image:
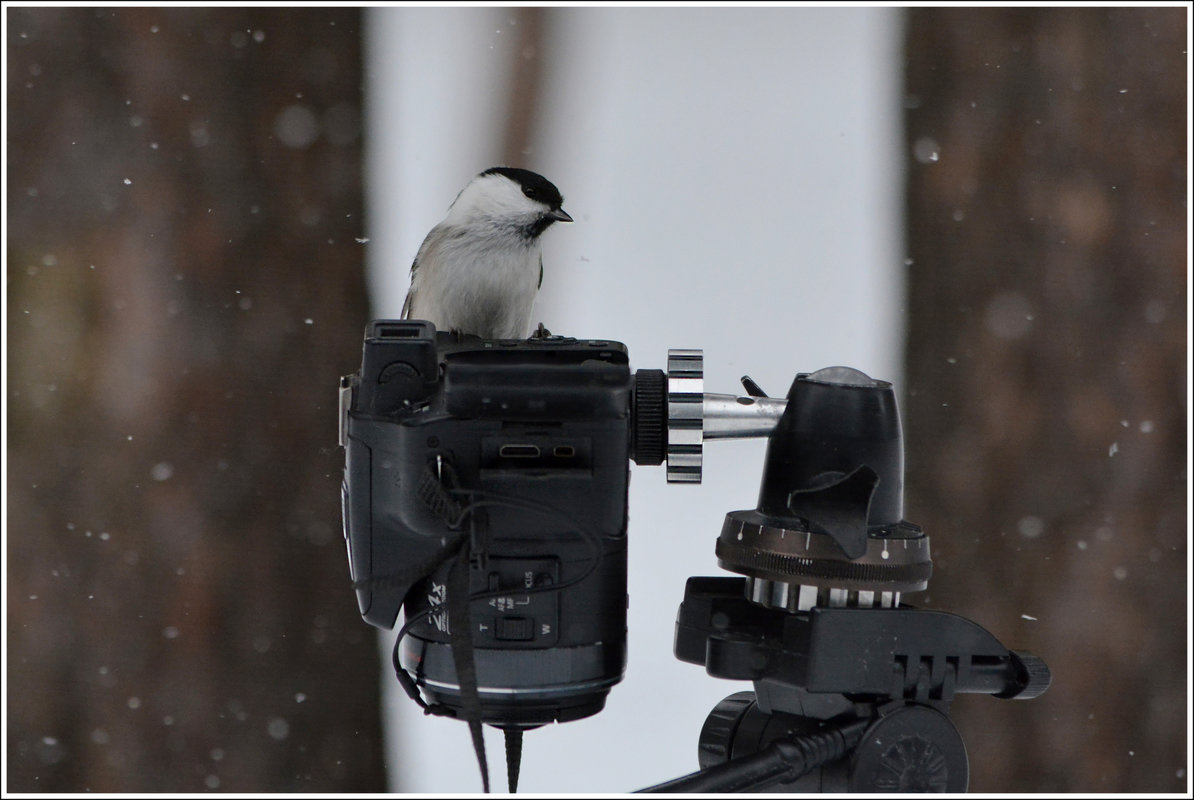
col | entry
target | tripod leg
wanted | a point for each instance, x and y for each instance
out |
(782, 761)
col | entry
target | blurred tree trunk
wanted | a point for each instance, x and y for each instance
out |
(184, 289)
(525, 91)
(1046, 411)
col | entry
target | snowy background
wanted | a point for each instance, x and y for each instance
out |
(987, 206)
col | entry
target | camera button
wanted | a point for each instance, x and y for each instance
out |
(514, 629)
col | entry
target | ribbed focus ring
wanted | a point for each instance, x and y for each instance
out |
(650, 416)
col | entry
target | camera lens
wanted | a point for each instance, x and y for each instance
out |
(541, 655)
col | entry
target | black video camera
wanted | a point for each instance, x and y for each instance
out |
(519, 450)
(485, 492)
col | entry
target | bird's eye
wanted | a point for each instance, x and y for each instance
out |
(529, 191)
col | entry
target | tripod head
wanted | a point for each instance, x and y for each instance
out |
(852, 687)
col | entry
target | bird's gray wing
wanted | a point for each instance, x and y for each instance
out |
(410, 293)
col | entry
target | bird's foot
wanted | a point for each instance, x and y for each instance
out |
(541, 332)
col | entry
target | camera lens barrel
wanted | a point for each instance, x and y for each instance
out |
(540, 656)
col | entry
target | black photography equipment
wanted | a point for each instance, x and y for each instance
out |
(485, 492)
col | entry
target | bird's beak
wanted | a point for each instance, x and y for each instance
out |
(560, 215)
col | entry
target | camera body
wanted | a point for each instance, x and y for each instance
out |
(522, 448)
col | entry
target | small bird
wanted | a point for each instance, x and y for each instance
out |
(479, 270)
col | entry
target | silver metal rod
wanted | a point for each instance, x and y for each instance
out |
(728, 416)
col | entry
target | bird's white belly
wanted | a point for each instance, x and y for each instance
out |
(493, 301)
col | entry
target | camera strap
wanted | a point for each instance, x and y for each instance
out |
(461, 641)
(433, 490)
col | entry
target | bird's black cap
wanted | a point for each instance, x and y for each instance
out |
(533, 185)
